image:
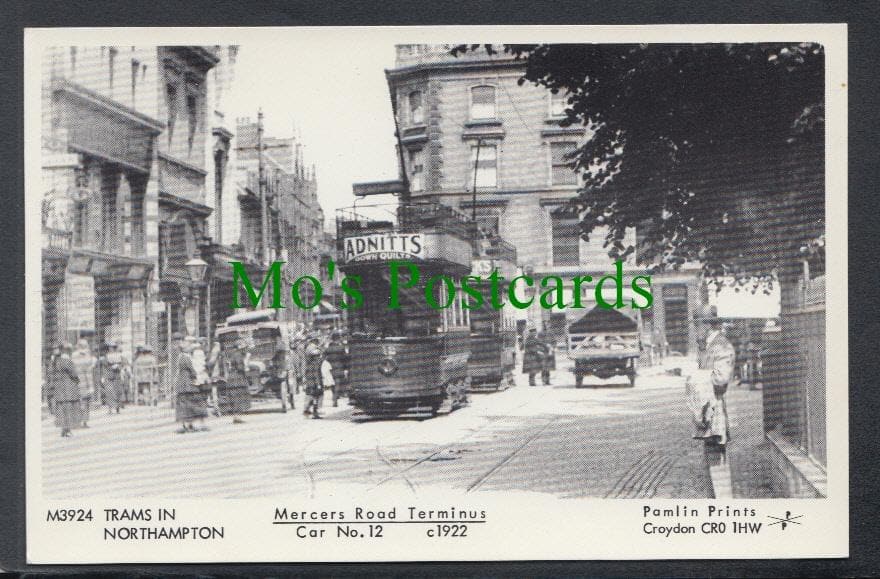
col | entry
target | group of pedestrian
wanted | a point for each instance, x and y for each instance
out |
(73, 376)
(195, 374)
(313, 362)
(539, 355)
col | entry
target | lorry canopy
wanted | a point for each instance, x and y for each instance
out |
(602, 320)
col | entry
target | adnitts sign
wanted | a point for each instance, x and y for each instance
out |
(384, 246)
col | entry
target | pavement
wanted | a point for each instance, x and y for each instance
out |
(605, 440)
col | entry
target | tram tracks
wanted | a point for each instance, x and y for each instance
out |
(510, 456)
(435, 451)
(644, 477)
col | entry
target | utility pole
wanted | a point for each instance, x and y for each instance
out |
(261, 186)
(476, 239)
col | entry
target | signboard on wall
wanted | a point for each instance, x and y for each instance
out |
(79, 292)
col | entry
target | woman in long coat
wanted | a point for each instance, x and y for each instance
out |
(235, 360)
(66, 390)
(85, 363)
(533, 357)
(113, 365)
(190, 404)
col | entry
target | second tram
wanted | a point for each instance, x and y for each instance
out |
(493, 331)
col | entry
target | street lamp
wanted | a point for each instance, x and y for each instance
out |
(196, 268)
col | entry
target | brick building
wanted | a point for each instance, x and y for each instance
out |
(457, 113)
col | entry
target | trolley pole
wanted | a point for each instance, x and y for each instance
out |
(261, 186)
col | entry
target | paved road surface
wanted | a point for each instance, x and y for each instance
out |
(609, 441)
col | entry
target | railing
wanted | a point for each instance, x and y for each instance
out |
(57, 238)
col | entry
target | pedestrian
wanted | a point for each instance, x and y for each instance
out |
(339, 361)
(297, 361)
(548, 362)
(66, 390)
(190, 404)
(115, 368)
(716, 361)
(50, 383)
(85, 363)
(174, 347)
(144, 370)
(235, 359)
(533, 357)
(314, 357)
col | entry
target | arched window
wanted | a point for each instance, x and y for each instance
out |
(482, 102)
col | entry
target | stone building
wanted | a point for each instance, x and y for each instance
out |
(126, 167)
(293, 221)
(466, 124)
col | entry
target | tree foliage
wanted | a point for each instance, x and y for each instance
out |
(693, 144)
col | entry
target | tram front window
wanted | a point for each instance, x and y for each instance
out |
(414, 318)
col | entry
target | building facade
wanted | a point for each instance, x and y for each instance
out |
(292, 218)
(474, 139)
(127, 163)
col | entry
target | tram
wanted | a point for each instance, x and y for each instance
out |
(412, 359)
(493, 331)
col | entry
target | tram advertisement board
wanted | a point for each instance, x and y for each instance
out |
(405, 246)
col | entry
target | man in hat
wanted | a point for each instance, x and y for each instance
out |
(548, 362)
(533, 357)
(314, 357)
(716, 359)
(338, 359)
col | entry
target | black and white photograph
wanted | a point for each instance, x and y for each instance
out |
(357, 281)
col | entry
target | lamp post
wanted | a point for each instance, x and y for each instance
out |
(196, 268)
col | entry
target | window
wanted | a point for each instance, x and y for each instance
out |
(566, 238)
(111, 64)
(416, 112)
(487, 166)
(558, 104)
(192, 114)
(482, 102)
(171, 103)
(562, 166)
(416, 170)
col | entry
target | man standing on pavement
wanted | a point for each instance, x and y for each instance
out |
(716, 360)
(339, 360)
(533, 357)
(314, 357)
(548, 362)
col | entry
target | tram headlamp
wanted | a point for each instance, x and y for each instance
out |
(387, 367)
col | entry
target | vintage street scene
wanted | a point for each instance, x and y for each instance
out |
(230, 306)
